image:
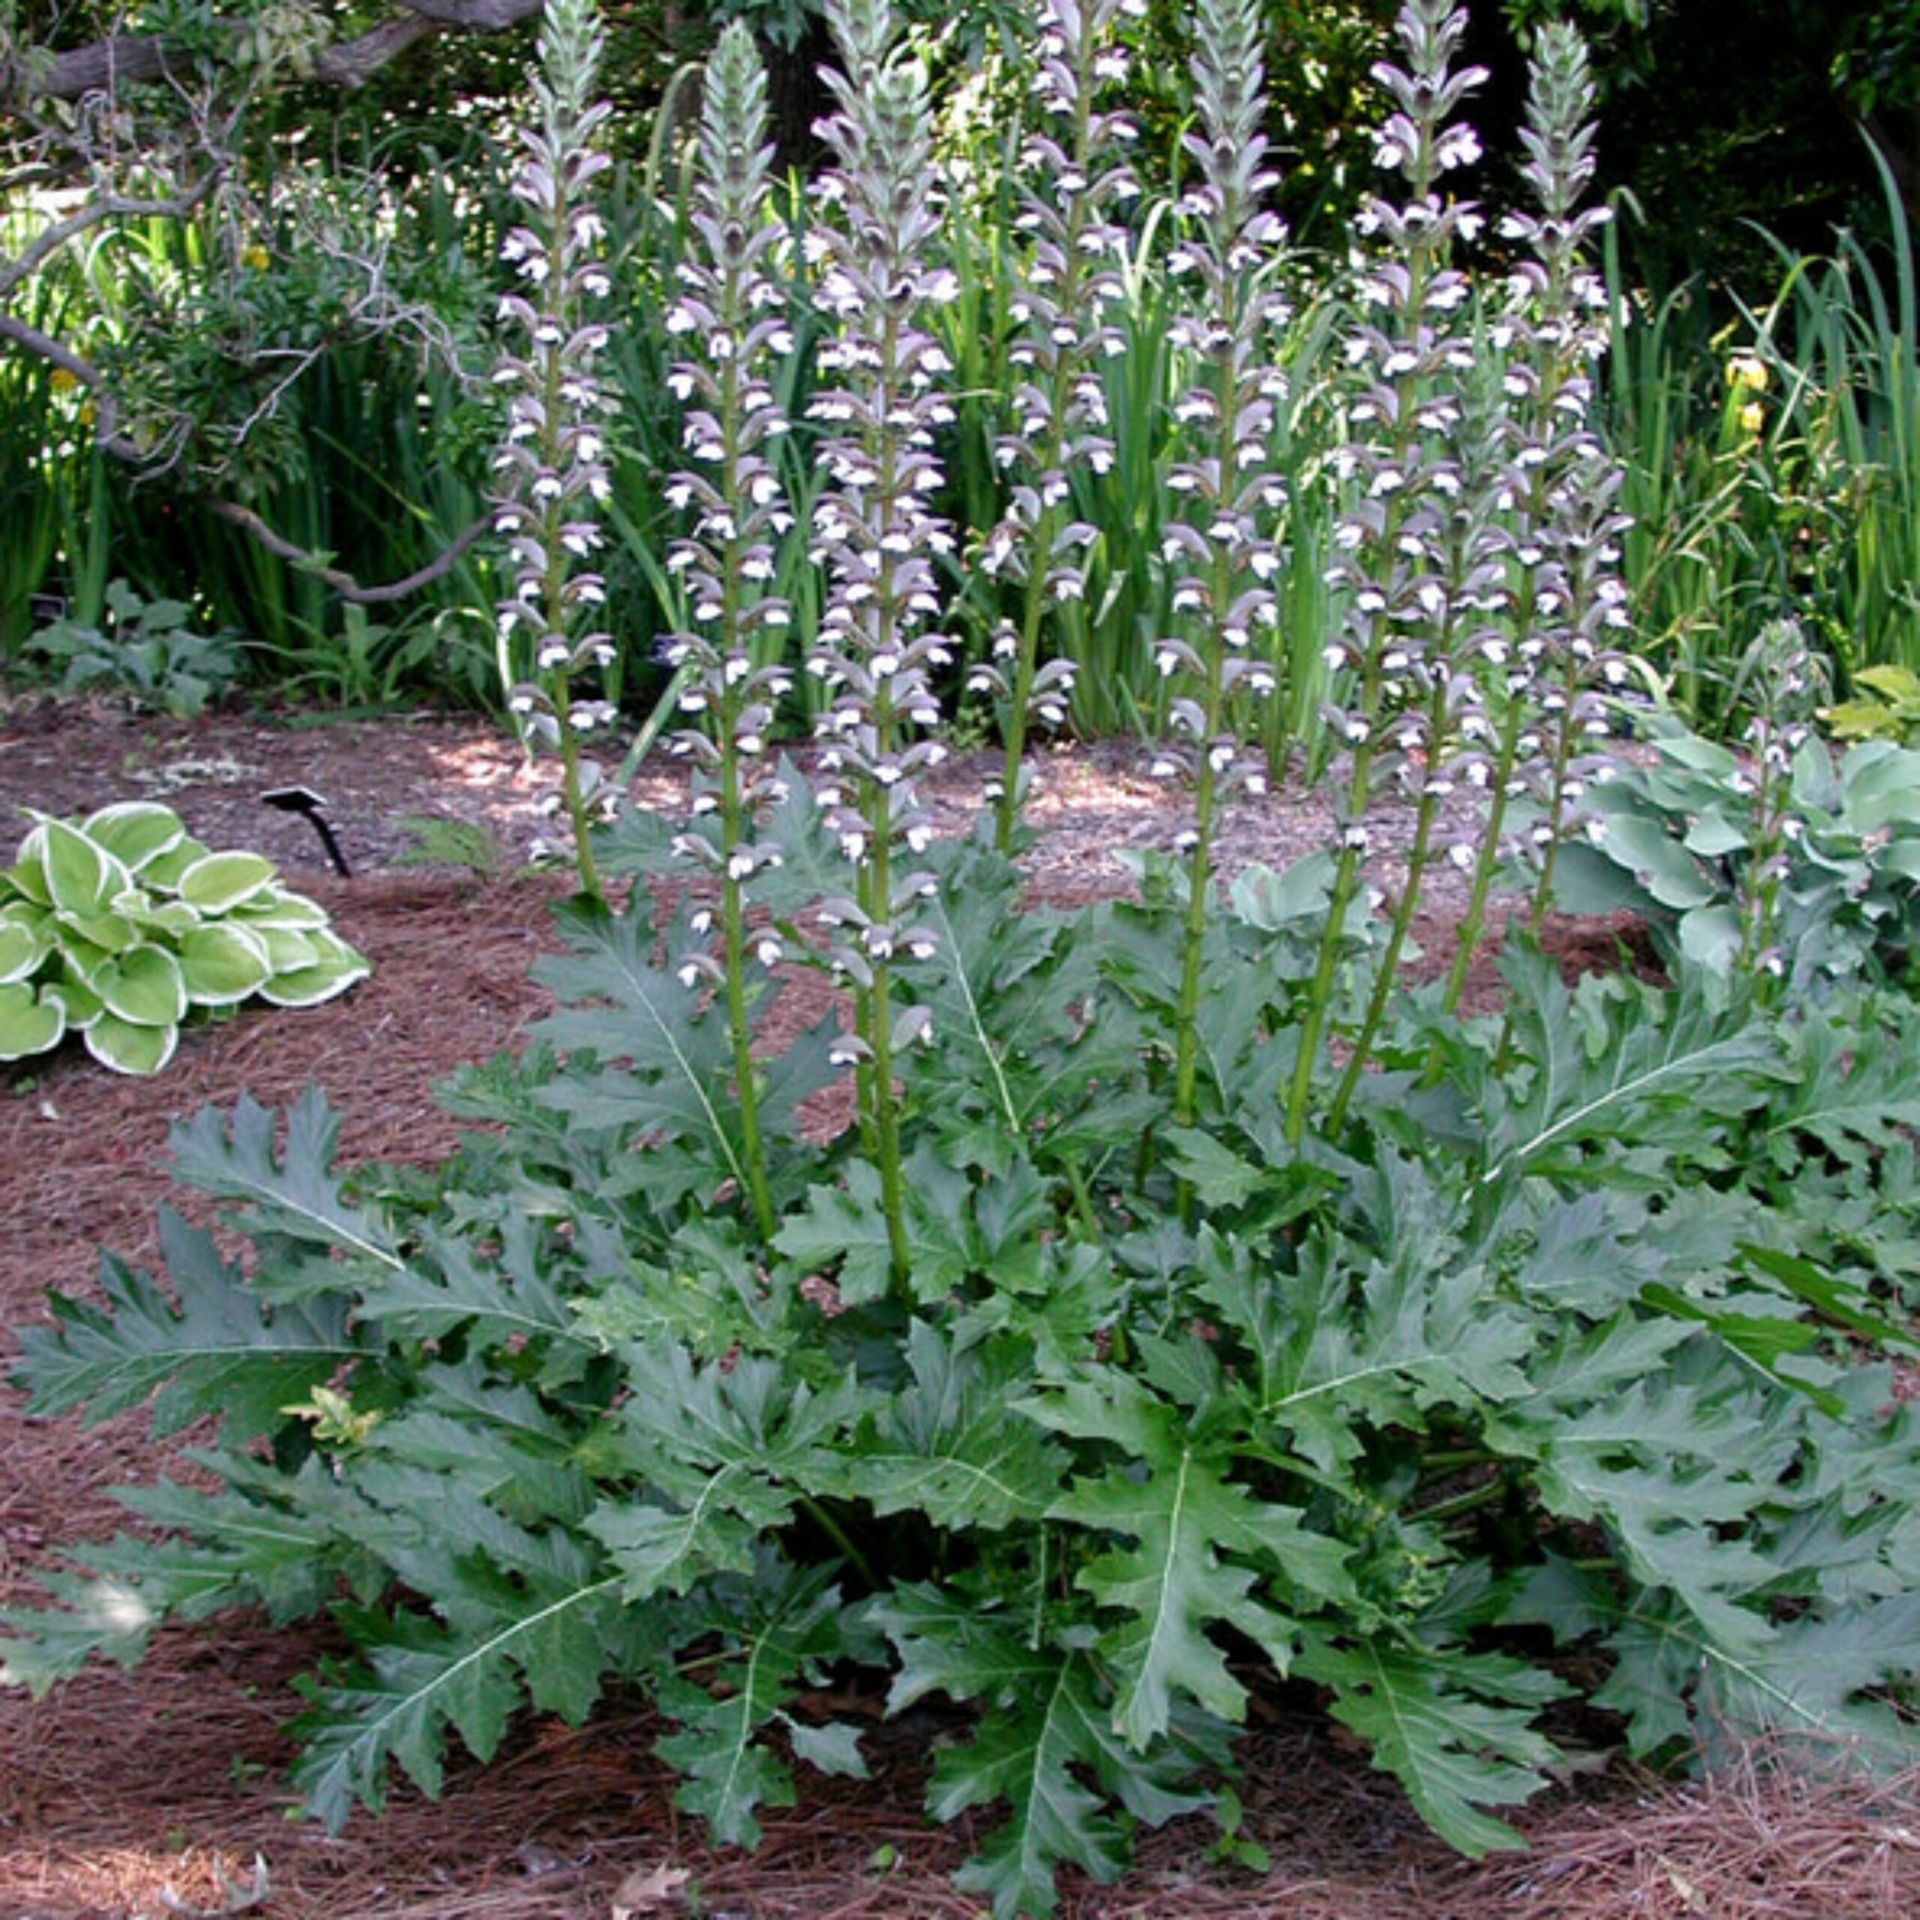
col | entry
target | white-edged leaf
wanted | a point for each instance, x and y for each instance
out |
(162, 871)
(144, 988)
(81, 878)
(222, 964)
(24, 944)
(76, 999)
(30, 1022)
(219, 882)
(276, 906)
(135, 831)
(333, 968)
(123, 1047)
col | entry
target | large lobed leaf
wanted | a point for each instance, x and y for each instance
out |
(1455, 1729)
(1045, 1747)
(719, 1455)
(213, 1349)
(1204, 1545)
(286, 1191)
(779, 1630)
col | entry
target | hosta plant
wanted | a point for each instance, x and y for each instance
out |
(1797, 860)
(122, 927)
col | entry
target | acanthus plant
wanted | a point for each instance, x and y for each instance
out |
(1064, 283)
(730, 316)
(1780, 697)
(1568, 603)
(1417, 548)
(551, 465)
(1447, 1413)
(883, 402)
(1224, 549)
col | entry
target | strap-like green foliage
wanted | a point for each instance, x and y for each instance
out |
(122, 927)
(1581, 1346)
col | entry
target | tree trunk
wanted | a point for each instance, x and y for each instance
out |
(796, 99)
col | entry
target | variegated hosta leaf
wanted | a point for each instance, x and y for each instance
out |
(122, 927)
(30, 1022)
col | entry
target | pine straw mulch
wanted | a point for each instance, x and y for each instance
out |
(157, 1791)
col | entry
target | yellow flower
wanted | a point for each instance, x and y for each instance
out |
(255, 257)
(1753, 416)
(62, 381)
(1747, 373)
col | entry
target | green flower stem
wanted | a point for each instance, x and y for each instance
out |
(1013, 728)
(1346, 881)
(1053, 517)
(1760, 889)
(579, 818)
(1419, 266)
(734, 830)
(1200, 872)
(883, 1110)
(1408, 905)
(753, 1153)
(579, 815)
(1083, 1204)
(1564, 740)
(876, 889)
(835, 1532)
(1487, 858)
(1459, 1505)
(560, 683)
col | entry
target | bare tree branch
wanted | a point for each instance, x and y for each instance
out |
(43, 346)
(475, 16)
(124, 59)
(344, 584)
(121, 448)
(352, 63)
(108, 206)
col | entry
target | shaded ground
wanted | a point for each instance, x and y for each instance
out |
(124, 1787)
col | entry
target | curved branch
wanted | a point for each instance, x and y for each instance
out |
(250, 523)
(127, 59)
(352, 63)
(90, 213)
(122, 59)
(43, 346)
(344, 584)
(475, 16)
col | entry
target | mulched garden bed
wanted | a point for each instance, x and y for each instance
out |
(124, 1792)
